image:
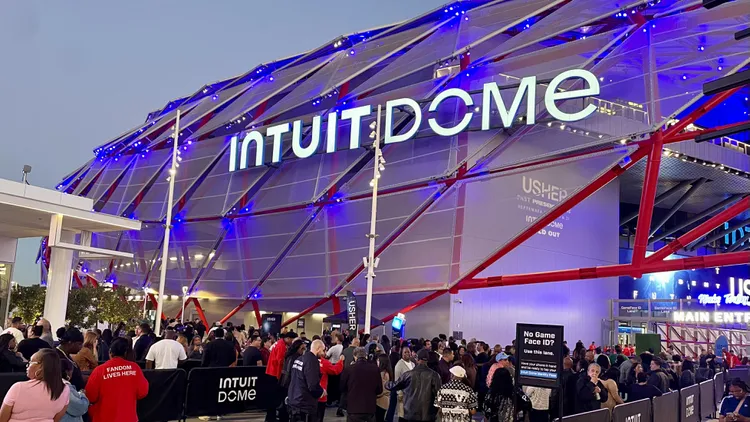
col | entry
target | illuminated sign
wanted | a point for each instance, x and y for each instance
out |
(712, 317)
(739, 295)
(491, 101)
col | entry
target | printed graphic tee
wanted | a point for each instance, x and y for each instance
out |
(113, 389)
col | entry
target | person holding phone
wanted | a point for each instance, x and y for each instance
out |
(590, 391)
(736, 406)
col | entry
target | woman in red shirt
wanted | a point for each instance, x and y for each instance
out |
(115, 387)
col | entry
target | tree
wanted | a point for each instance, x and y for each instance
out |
(113, 308)
(86, 305)
(82, 304)
(28, 302)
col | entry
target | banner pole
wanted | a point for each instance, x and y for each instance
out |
(167, 225)
(377, 165)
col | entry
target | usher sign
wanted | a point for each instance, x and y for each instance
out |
(540, 355)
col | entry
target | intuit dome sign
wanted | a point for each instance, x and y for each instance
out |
(491, 101)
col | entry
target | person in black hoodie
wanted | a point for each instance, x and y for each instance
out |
(590, 392)
(482, 360)
(10, 361)
(657, 376)
(304, 385)
(362, 383)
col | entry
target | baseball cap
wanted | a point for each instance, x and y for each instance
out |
(423, 354)
(501, 356)
(458, 372)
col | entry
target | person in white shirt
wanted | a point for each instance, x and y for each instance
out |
(16, 328)
(539, 403)
(403, 366)
(334, 353)
(166, 353)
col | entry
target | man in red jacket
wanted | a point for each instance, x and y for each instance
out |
(274, 368)
(114, 388)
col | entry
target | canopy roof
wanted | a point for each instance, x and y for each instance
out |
(297, 229)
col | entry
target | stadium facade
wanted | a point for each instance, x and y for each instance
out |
(470, 224)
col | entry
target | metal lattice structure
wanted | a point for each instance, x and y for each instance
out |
(295, 229)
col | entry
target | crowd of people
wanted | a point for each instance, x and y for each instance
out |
(94, 374)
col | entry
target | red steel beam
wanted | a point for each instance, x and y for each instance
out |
(555, 213)
(306, 311)
(701, 230)
(234, 311)
(414, 305)
(199, 309)
(77, 279)
(688, 135)
(698, 113)
(336, 304)
(648, 196)
(719, 260)
(256, 309)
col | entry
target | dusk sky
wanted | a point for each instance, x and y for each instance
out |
(75, 75)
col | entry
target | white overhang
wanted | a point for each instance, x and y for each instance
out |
(28, 211)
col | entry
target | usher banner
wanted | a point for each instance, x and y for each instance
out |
(351, 311)
(539, 354)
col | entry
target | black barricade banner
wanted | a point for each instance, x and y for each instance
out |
(166, 394)
(708, 405)
(221, 391)
(719, 387)
(637, 411)
(601, 415)
(351, 312)
(689, 404)
(665, 407)
(8, 379)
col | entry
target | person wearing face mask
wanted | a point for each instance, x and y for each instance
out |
(43, 398)
(736, 406)
(590, 391)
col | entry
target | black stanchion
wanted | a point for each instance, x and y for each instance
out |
(190, 364)
(8, 379)
(708, 403)
(664, 407)
(690, 404)
(601, 415)
(166, 393)
(719, 383)
(221, 391)
(635, 411)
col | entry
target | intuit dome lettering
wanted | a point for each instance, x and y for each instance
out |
(234, 389)
(491, 100)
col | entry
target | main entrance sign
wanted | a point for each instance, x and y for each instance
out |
(491, 100)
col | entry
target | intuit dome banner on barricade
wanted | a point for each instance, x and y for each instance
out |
(221, 391)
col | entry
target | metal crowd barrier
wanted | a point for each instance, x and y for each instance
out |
(175, 394)
(178, 393)
(691, 404)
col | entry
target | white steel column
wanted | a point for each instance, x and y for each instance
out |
(370, 261)
(167, 225)
(59, 275)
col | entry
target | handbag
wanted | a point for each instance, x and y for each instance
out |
(524, 402)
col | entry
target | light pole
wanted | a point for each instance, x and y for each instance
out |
(167, 225)
(184, 299)
(370, 261)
